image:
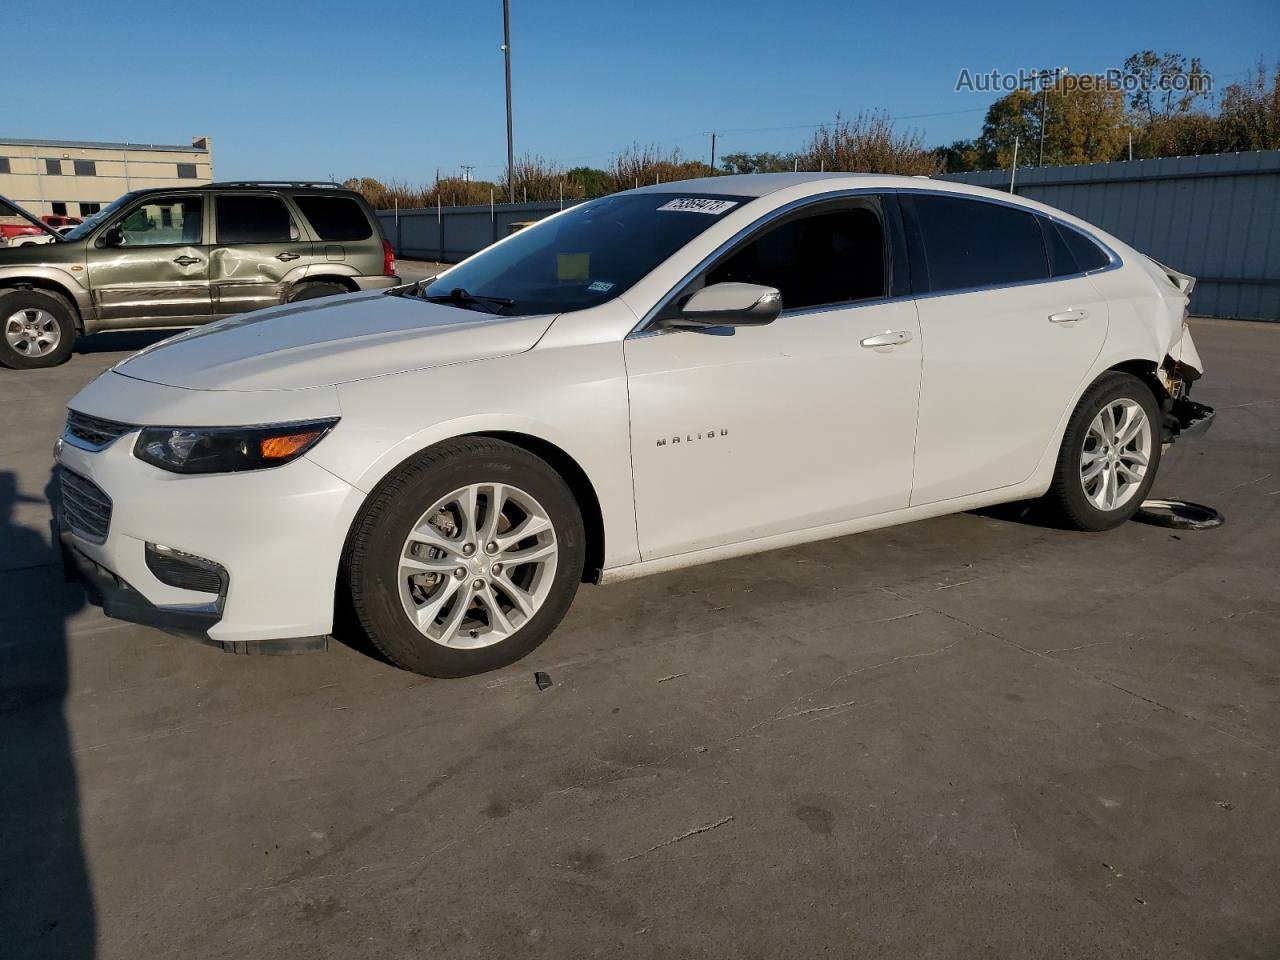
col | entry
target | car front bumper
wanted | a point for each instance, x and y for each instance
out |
(277, 534)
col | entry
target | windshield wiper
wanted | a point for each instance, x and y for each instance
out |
(461, 298)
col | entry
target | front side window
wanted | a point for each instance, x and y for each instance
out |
(585, 256)
(335, 218)
(163, 221)
(254, 218)
(975, 243)
(829, 257)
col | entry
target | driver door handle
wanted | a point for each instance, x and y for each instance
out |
(1068, 316)
(286, 257)
(185, 261)
(890, 339)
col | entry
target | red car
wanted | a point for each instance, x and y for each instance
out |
(56, 220)
(16, 223)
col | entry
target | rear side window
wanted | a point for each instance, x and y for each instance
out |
(254, 219)
(973, 243)
(335, 218)
(1086, 253)
(836, 256)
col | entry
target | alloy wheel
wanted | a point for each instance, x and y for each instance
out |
(32, 332)
(1116, 453)
(477, 565)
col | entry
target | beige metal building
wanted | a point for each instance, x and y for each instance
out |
(76, 178)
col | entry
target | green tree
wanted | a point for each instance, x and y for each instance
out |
(590, 182)
(1168, 85)
(758, 162)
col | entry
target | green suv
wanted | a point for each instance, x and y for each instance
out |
(170, 257)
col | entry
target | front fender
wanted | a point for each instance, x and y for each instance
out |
(63, 278)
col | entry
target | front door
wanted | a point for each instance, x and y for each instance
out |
(806, 421)
(154, 266)
(258, 252)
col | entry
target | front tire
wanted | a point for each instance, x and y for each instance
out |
(37, 329)
(1110, 454)
(465, 558)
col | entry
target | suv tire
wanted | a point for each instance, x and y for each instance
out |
(416, 519)
(37, 329)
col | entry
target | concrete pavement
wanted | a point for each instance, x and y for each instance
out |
(972, 736)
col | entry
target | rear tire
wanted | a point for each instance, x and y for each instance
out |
(1109, 456)
(37, 329)
(311, 291)
(449, 588)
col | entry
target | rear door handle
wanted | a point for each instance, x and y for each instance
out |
(1068, 316)
(185, 261)
(890, 339)
(286, 257)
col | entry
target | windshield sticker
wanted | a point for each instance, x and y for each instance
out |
(573, 266)
(699, 205)
(601, 286)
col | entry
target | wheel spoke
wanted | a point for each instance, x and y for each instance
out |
(468, 504)
(497, 619)
(427, 613)
(1136, 457)
(540, 551)
(425, 565)
(449, 627)
(497, 498)
(526, 528)
(429, 536)
(1108, 424)
(519, 597)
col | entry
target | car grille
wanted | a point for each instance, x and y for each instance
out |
(86, 508)
(94, 432)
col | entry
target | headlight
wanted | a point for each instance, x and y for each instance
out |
(227, 449)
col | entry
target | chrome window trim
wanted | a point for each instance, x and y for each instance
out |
(644, 327)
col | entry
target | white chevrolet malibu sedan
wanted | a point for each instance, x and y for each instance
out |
(663, 377)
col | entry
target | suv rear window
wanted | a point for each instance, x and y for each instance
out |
(253, 219)
(335, 218)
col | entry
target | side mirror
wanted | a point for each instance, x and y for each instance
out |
(732, 305)
(111, 237)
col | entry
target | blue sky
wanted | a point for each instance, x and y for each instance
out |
(396, 88)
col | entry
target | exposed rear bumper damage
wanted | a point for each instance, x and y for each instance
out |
(1183, 417)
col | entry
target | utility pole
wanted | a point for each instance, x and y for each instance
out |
(506, 54)
(713, 151)
(1044, 106)
(466, 172)
(1013, 171)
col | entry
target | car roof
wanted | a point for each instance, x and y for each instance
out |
(255, 186)
(763, 184)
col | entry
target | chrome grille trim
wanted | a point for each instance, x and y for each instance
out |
(93, 433)
(86, 507)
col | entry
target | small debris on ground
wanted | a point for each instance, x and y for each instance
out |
(674, 676)
(543, 680)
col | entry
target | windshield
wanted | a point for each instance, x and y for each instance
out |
(91, 223)
(586, 256)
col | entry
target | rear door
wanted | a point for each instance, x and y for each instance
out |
(259, 251)
(1006, 342)
(158, 271)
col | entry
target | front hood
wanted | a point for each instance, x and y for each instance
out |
(334, 340)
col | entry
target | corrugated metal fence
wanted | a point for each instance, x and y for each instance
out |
(450, 234)
(1216, 217)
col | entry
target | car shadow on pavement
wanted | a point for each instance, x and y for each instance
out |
(131, 340)
(46, 902)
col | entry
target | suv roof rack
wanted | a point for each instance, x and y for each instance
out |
(307, 184)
